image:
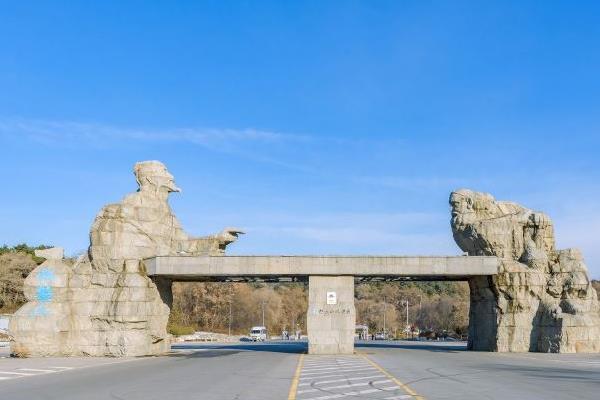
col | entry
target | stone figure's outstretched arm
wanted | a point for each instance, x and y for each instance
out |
(213, 244)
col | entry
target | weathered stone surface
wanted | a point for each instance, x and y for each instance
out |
(106, 305)
(541, 299)
(331, 318)
(54, 253)
(43, 325)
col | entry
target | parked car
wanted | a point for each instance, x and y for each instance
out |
(258, 333)
(381, 336)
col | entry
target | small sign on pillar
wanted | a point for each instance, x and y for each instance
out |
(331, 298)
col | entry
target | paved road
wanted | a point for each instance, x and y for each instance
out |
(263, 371)
(447, 371)
(270, 371)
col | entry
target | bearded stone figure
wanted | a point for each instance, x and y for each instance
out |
(109, 306)
(143, 225)
(542, 299)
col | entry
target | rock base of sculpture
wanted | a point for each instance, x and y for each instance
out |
(75, 311)
(542, 299)
(106, 305)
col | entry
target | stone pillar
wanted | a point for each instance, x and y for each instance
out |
(483, 315)
(331, 318)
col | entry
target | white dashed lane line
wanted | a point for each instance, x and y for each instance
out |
(350, 385)
(338, 377)
(35, 370)
(356, 393)
(340, 370)
(23, 372)
(15, 373)
(341, 380)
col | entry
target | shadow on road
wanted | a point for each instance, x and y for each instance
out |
(207, 350)
(435, 347)
(212, 350)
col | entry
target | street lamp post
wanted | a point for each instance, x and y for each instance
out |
(230, 318)
(293, 325)
(407, 313)
(384, 309)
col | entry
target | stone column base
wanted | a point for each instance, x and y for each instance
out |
(331, 319)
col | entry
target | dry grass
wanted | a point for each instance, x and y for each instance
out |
(14, 268)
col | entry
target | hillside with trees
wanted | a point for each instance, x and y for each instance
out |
(217, 307)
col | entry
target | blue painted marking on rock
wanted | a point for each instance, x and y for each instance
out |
(44, 293)
(45, 276)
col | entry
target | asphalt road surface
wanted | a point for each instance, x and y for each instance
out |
(281, 370)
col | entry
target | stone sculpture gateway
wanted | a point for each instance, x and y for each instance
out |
(539, 299)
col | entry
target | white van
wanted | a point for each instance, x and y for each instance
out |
(258, 333)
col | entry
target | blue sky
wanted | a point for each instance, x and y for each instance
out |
(318, 127)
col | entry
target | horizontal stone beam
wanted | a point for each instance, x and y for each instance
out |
(221, 267)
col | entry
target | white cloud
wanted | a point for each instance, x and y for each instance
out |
(251, 144)
(61, 132)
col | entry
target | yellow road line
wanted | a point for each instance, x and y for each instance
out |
(294, 387)
(393, 378)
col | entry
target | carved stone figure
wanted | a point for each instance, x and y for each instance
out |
(107, 303)
(542, 299)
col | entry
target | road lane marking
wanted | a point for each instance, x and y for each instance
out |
(326, 360)
(355, 384)
(296, 379)
(16, 373)
(329, 363)
(325, 376)
(342, 380)
(350, 385)
(36, 370)
(335, 367)
(346, 394)
(404, 387)
(364, 368)
(56, 369)
(336, 378)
